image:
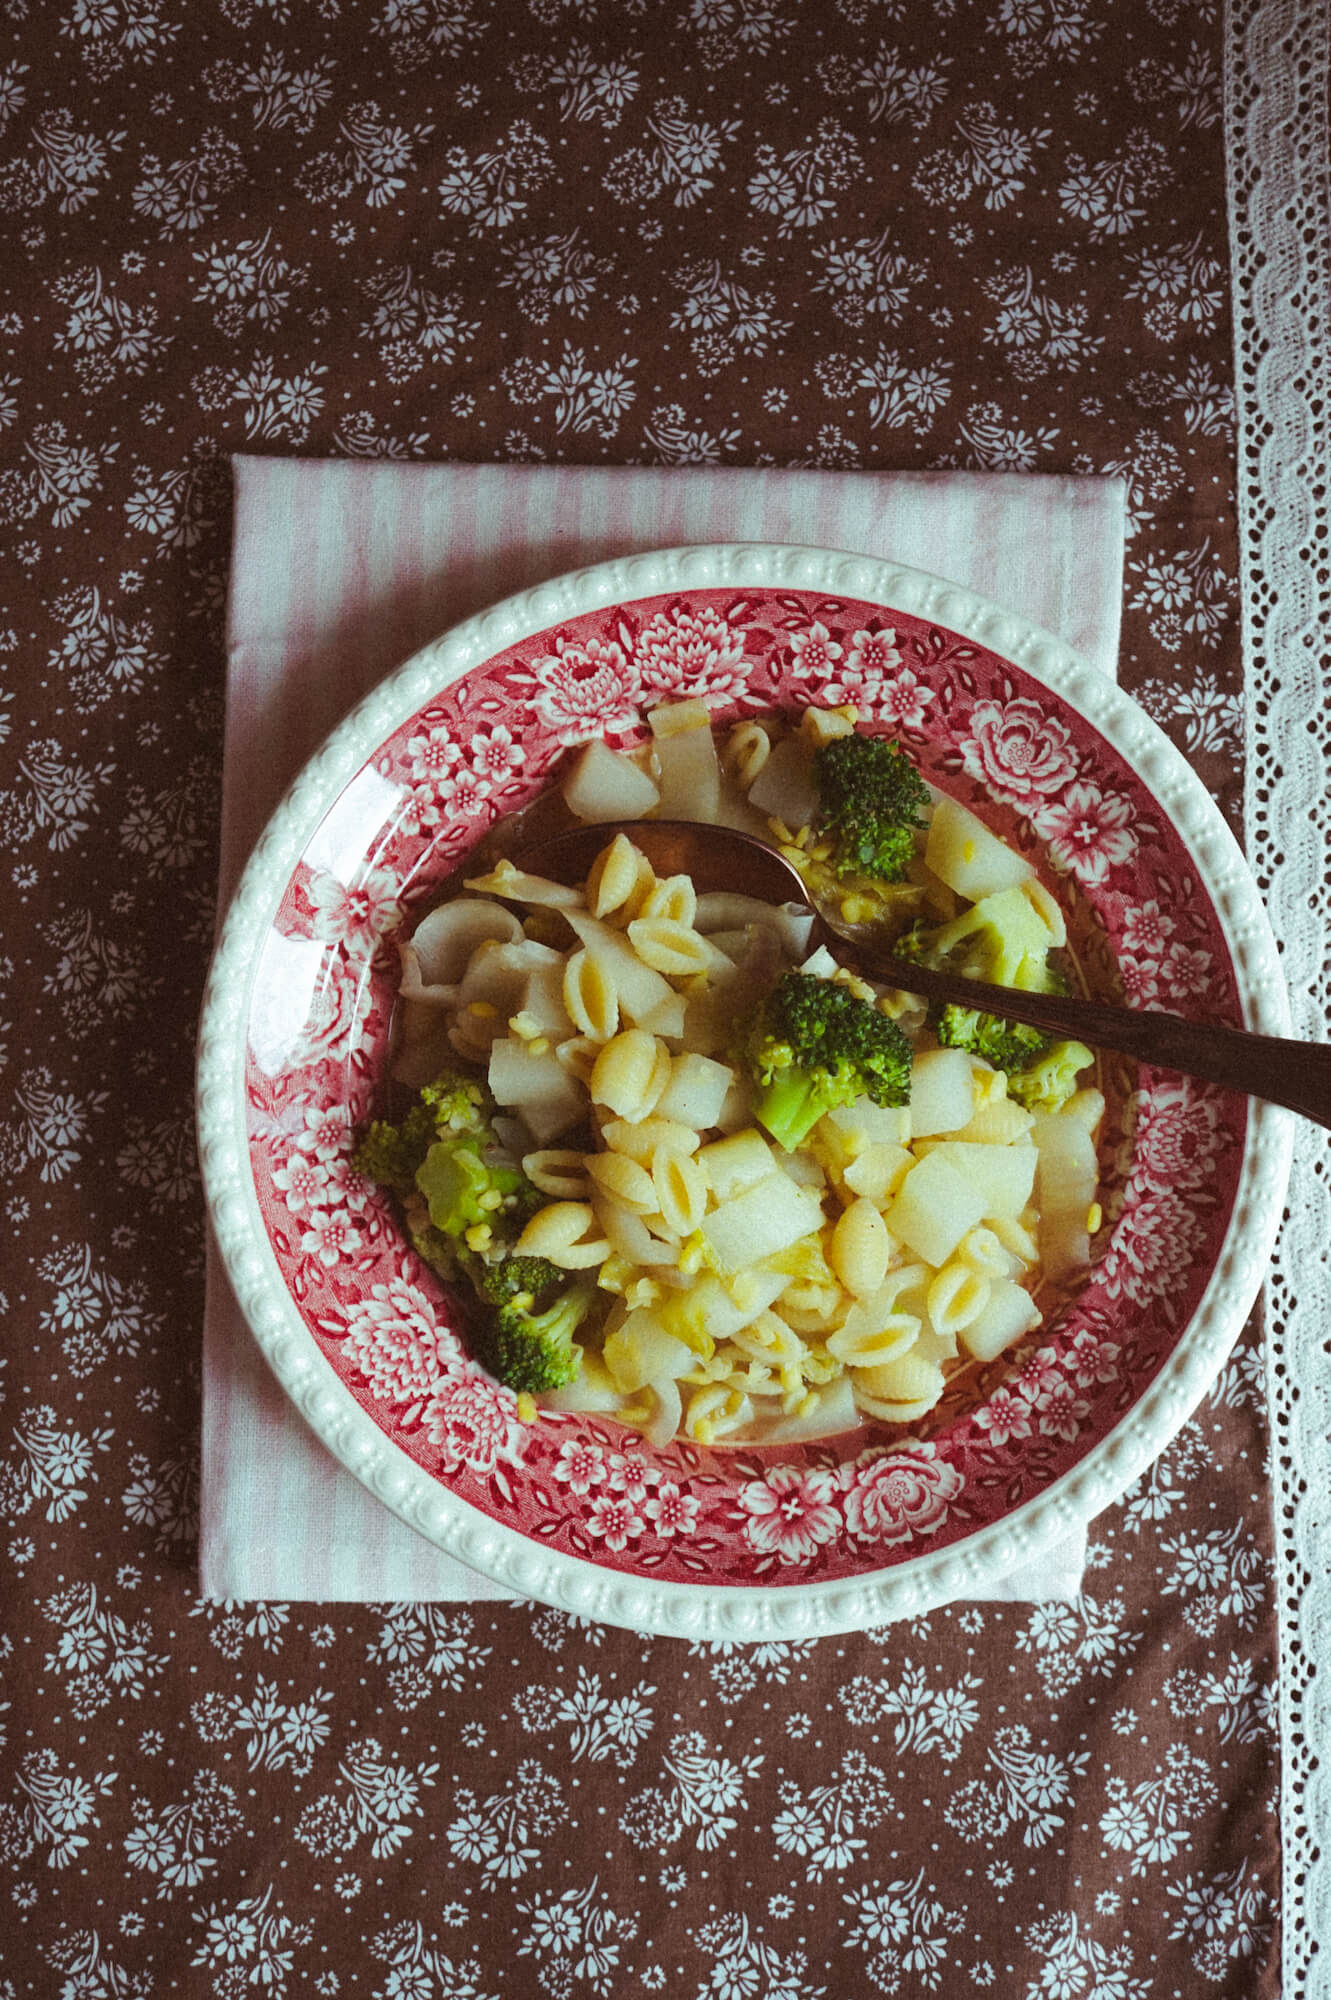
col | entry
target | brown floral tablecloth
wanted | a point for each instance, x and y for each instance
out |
(878, 233)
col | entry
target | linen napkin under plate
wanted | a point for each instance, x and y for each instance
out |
(340, 571)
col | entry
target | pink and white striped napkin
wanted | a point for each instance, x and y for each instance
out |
(341, 570)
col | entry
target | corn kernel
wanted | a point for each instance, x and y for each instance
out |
(527, 1411)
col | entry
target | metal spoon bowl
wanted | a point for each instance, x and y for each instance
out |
(1296, 1075)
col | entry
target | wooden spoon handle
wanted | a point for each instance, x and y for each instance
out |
(1294, 1074)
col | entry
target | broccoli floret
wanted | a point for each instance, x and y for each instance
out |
(392, 1154)
(1005, 1045)
(811, 1045)
(1049, 1083)
(468, 1186)
(464, 1203)
(1001, 939)
(535, 1350)
(446, 1150)
(872, 801)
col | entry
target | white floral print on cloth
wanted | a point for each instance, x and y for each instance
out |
(852, 235)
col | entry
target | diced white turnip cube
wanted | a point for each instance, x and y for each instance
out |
(942, 1092)
(962, 852)
(933, 1210)
(603, 785)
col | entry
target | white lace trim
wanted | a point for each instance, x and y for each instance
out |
(1279, 151)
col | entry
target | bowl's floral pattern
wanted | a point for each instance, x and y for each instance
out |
(488, 744)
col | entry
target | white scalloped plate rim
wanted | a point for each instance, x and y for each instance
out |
(698, 1611)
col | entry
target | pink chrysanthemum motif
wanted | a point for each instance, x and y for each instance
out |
(791, 1513)
(691, 653)
(355, 914)
(393, 1338)
(584, 688)
(1152, 1248)
(1177, 1137)
(1089, 831)
(472, 1422)
(901, 1495)
(1018, 750)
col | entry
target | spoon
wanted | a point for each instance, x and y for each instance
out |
(1294, 1074)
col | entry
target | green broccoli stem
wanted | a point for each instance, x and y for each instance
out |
(790, 1106)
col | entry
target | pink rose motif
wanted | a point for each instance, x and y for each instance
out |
(693, 653)
(901, 1495)
(580, 1466)
(471, 1421)
(1018, 751)
(354, 914)
(1088, 831)
(1176, 1138)
(584, 688)
(791, 1512)
(613, 1521)
(337, 1017)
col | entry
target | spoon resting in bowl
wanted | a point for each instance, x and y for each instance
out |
(1296, 1075)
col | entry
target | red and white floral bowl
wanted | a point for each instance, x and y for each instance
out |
(576, 1510)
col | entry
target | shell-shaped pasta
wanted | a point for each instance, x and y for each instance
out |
(716, 1411)
(614, 876)
(908, 1379)
(672, 896)
(591, 996)
(768, 1338)
(1046, 909)
(630, 1074)
(894, 1336)
(560, 1233)
(747, 749)
(578, 1055)
(446, 937)
(557, 1171)
(624, 1181)
(982, 1252)
(1016, 1237)
(681, 1189)
(860, 1248)
(957, 1295)
(670, 947)
(642, 1141)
